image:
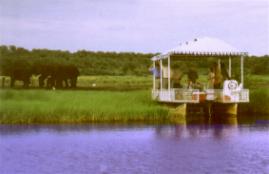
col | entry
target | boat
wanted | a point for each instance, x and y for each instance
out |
(221, 100)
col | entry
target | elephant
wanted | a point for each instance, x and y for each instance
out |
(44, 71)
(64, 76)
(22, 74)
(18, 70)
(58, 76)
(72, 74)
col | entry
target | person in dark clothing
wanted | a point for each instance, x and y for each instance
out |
(224, 72)
(218, 75)
(192, 77)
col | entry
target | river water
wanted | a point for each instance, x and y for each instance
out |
(194, 147)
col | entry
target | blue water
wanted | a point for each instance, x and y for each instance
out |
(189, 148)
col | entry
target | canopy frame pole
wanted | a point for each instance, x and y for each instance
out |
(154, 76)
(242, 70)
(161, 74)
(169, 74)
(230, 67)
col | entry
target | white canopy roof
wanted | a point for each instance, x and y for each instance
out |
(202, 46)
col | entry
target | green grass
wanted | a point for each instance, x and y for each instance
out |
(84, 106)
(139, 82)
(48, 106)
(115, 82)
(259, 102)
(258, 86)
(257, 81)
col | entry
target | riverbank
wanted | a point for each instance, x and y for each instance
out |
(48, 106)
(67, 106)
(110, 99)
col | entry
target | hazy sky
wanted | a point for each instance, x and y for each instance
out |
(133, 25)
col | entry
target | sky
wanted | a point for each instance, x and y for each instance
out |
(133, 25)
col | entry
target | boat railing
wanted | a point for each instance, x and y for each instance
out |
(177, 95)
(221, 96)
(181, 95)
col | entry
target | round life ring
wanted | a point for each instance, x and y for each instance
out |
(232, 85)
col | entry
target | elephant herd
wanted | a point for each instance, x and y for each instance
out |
(50, 76)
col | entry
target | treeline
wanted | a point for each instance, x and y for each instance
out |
(102, 63)
(88, 62)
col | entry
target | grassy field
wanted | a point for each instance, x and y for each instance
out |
(257, 81)
(137, 82)
(119, 102)
(48, 106)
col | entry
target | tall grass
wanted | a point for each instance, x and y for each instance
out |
(258, 86)
(44, 106)
(259, 102)
(65, 106)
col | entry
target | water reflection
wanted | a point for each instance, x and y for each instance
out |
(65, 128)
(194, 125)
(197, 126)
(210, 145)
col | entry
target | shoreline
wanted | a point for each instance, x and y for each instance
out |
(35, 106)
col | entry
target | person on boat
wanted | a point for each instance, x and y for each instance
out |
(156, 72)
(192, 78)
(176, 76)
(224, 72)
(211, 78)
(218, 75)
